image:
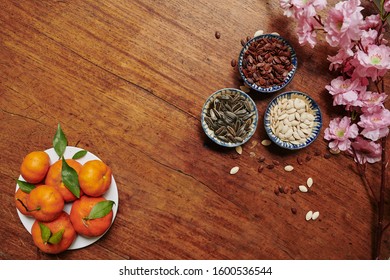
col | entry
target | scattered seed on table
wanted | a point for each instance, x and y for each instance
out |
(309, 182)
(276, 191)
(252, 154)
(281, 189)
(233, 63)
(286, 189)
(308, 158)
(245, 89)
(261, 159)
(303, 188)
(234, 170)
(266, 142)
(258, 33)
(293, 190)
(315, 215)
(309, 215)
(260, 169)
(334, 152)
(299, 160)
(234, 156)
(327, 156)
(270, 166)
(288, 168)
(217, 34)
(239, 150)
(293, 210)
(276, 162)
(253, 144)
(317, 152)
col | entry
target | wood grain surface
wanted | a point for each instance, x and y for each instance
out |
(127, 81)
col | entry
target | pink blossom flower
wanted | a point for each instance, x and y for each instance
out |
(345, 92)
(369, 37)
(375, 125)
(374, 63)
(371, 22)
(372, 102)
(288, 8)
(386, 5)
(365, 150)
(340, 131)
(309, 7)
(341, 61)
(343, 23)
(306, 31)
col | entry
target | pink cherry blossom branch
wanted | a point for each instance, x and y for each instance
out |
(319, 20)
(367, 52)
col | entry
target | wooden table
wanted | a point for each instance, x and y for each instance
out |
(127, 80)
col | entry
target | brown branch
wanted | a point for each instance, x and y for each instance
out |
(381, 211)
(362, 173)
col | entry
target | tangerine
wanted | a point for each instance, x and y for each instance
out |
(54, 178)
(45, 203)
(79, 213)
(95, 178)
(21, 198)
(61, 223)
(35, 166)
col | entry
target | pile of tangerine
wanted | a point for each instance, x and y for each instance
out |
(54, 230)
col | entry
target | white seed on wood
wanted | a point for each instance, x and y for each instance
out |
(315, 215)
(289, 168)
(234, 170)
(309, 182)
(309, 215)
(266, 142)
(335, 152)
(303, 188)
(258, 33)
(239, 150)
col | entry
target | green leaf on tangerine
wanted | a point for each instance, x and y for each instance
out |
(79, 154)
(56, 237)
(45, 232)
(25, 187)
(70, 178)
(100, 209)
(59, 141)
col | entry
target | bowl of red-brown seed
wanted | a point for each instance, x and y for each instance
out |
(267, 63)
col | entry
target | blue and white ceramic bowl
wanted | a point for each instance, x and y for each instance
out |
(273, 87)
(229, 117)
(275, 122)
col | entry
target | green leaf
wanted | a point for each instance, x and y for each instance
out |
(25, 187)
(70, 178)
(45, 232)
(56, 237)
(79, 154)
(59, 141)
(100, 209)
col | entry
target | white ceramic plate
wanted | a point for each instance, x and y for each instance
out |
(111, 194)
